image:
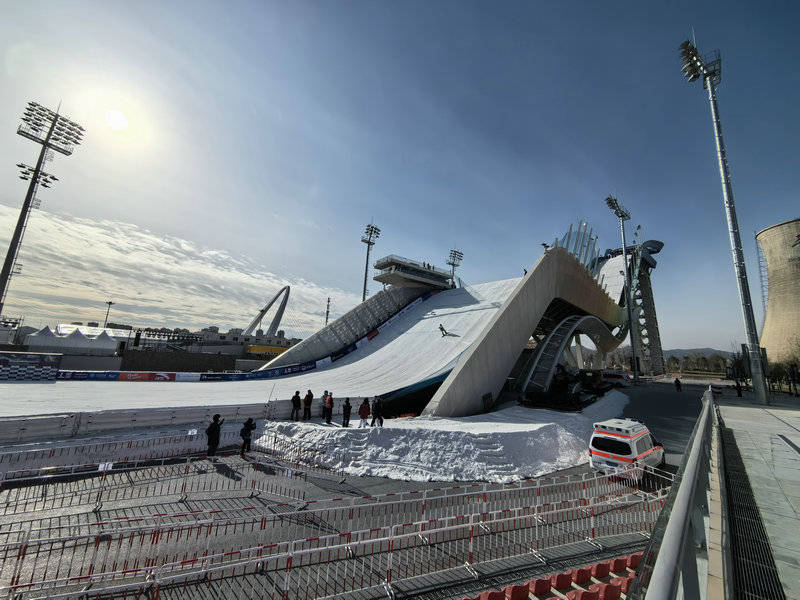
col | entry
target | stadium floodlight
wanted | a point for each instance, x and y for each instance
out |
(371, 234)
(54, 132)
(109, 303)
(454, 260)
(709, 68)
(623, 215)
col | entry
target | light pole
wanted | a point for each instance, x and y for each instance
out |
(710, 69)
(110, 304)
(53, 132)
(371, 234)
(454, 260)
(623, 215)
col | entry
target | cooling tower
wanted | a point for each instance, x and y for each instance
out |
(781, 246)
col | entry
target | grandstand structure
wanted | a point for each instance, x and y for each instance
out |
(149, 515)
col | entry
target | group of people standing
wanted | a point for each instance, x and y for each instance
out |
(214, 429)
(364, 410)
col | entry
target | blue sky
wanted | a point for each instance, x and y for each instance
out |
(275, 130)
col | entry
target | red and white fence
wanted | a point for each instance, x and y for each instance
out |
(319, 567)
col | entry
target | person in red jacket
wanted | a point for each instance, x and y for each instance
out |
(363, 412)
(328, 407)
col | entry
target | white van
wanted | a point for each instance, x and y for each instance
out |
(619, 443)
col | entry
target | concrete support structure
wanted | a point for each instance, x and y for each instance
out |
(481, 372)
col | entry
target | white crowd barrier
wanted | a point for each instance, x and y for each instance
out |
(61, 426)
(80, 550)
(320, 566)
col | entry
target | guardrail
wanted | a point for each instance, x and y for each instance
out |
(691, 530)
(193, 441)
(322, 566)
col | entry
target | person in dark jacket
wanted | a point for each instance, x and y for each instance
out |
(346, 407)
(363, 413)
(246, 434)
(328, 407)
(296, 406)
(677, 385)
(377, 412)
(307, 405)
(738, 389)
(213, 432)
(324, 401)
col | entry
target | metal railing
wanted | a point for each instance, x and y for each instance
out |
(676, 562)
(322, 566)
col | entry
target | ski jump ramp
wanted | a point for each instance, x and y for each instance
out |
(488, 326)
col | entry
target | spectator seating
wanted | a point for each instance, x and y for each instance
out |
(607, 580)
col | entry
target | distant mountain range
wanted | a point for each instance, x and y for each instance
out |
(681, 352)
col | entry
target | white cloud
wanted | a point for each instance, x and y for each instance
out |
(71, 266)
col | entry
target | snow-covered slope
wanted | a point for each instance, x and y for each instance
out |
(407, 350)
(510, 443)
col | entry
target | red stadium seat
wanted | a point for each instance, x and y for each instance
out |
(623, 583)
(634, 560)
(561, 581)
(492, 595)
(516, 592)
(606, 591)
(600, 570)
(580, 576)
(581, 595)
(618, 564)
(538, 586)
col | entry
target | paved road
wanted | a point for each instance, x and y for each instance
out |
(670, 415)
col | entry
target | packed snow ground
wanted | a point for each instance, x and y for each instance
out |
(510, 443)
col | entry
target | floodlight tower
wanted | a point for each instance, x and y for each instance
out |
(371, 234)
(109, 303)
(53, 132)
(623, 215)
(710, 69)
(456, 256)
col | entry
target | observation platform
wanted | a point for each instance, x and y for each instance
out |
(404, 272)
(763, 469)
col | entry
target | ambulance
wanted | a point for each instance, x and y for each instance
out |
(620, 443)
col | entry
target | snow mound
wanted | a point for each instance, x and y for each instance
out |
(507, 444)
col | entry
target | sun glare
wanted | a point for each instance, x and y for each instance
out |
(116, 120)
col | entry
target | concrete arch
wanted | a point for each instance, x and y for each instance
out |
(540, 373)
(276, 320)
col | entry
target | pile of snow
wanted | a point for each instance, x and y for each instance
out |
(510, 443)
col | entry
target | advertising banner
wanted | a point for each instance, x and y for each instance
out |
(163, 376)
(187, 376)
(102, 375)
(135, 376)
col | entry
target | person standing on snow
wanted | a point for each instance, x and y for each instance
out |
(377, 411)
(246, 433)
(363, 413)
(212, 432)
(307, 405)
(328, 408)
(324, 400)
(346, 413)
(296, 406)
